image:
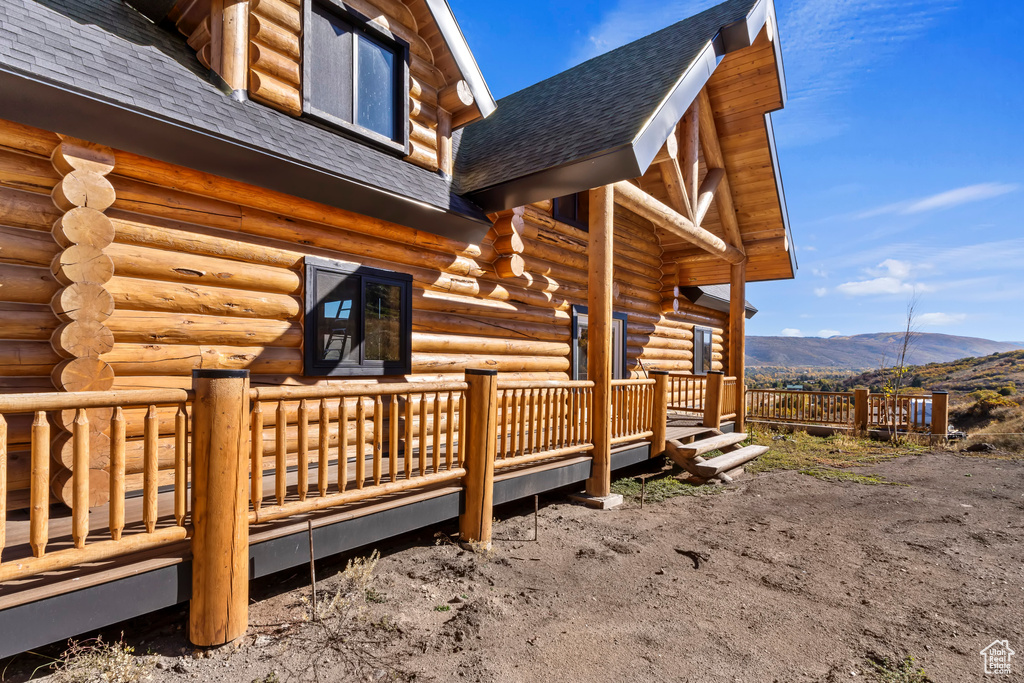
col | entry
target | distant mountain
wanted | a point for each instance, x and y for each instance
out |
(865, 351)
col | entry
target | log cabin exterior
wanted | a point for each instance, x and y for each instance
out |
(183, 189)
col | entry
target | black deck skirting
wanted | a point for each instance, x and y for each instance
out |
(68, 614)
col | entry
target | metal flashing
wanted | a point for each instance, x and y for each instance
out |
(464, 58)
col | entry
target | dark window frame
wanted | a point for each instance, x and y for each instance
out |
(313, 367)
(361, 26)
(576, 312)
(575, 222)
(704, 352)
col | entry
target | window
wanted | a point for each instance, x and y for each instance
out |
(702, 350)
(355, 74)
(581, 338)
(573, 209)
(358, 320)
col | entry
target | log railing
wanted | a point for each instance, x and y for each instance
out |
(361, 441)
(729, 398)
(632, 401)
(804, 407)
(686, 392)
(905, 414)
(52, 544)
(541, 421)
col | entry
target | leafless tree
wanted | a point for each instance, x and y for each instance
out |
(894, 375)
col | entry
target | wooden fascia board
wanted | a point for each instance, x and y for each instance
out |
(770, 130)
(463, 56)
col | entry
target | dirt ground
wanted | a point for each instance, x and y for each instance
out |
(779, 577)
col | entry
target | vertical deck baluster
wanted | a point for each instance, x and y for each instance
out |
(116, 507)
(281, 454)
(256, 455)
(378, 439)
(343, 444)
(503, 424)
(39, 529)
(532, 419)
(545, 434)
(323, 450)
(563, 416)
(424, 413)
(360, 442)
(151, 469)
(462, 429)
(303, 460)
(407, 456)
(449, 441)
(180, 464)
(393, 438)
(3, 484)
(514, 429)
(80, 479)
(435, 453)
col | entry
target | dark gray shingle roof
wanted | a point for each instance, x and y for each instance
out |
(715, 297)
(110, 52)
(595, 107)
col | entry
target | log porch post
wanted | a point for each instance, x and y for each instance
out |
(659, 412)
(737, 338)
(713, 395)
(940, 416)
(599, 332)
(219, 610)
(860, 411)
(481, 447)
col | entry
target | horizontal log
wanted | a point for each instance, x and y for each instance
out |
(423, 112)
(27, 321)
(447, 302)
(27, 139)
(423, 155)
(174, 359)
(448, 343)
(26, 247)
(157, 264)
(147, 295)
(27, 358)
(265, 59)
(274, 92)
(455, 97)
(272, 34)
(284, 14)
(429, 321)
(26, 284)
(26, 172)
(752, 248)
(29, 210)
(156, 327)
(442, 363)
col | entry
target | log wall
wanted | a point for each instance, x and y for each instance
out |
(208, 273)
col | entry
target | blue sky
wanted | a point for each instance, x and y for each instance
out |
(902, 149)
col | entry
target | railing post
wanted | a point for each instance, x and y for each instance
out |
(219, 611)
(481, 446)
(713, 394)
(860, 411)
(940, 416)
(659, 412)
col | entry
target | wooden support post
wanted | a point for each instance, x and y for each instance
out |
(659, 412)
(860, 411)
(599, 348)
(713, 395)
(219, 611)
(940, 416)
(230, 41)
(737, 338)
(478, 457)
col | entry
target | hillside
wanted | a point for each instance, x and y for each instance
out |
(1001, 371)
(865, 351)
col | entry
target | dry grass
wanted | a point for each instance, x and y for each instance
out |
(829, 458)
(97, 661)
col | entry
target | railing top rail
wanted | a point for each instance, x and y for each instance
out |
(545, 384)
(281, 393)
(730, 379)
(684, 373)
(27, 403)
(632, 382)
(800, 392)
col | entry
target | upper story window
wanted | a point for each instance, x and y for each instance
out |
(703, 350)
(358, 320)
(355, 74)
(573, 209)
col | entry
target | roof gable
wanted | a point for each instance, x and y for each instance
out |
(594, 110)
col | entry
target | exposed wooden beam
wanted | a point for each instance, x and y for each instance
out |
(706, 193)
(672, 175)
(668, 151)
(639, 202)
(753, 248)
(714, 158)
(691, 158)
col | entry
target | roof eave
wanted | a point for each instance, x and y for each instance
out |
(33, 101)
(781, 191)
(464, 58)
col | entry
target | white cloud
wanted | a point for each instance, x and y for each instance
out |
(943, 200)
(940, 319)
(792, 332)
(807, 248)
(820, 291)
(876, 286)
(818, 272)
(827, 333)
(891, 268)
